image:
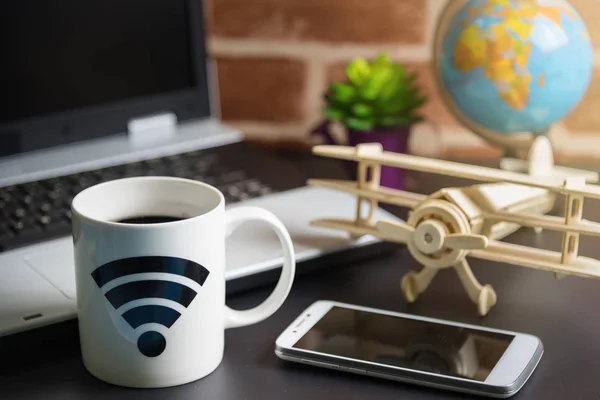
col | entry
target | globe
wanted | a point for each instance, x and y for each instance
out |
(510, 69)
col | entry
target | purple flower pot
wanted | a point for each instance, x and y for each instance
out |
(393, 140)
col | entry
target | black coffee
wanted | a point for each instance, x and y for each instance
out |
(149, 220)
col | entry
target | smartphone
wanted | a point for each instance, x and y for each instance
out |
(411, 349)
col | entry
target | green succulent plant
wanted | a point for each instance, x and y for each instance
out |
(378, 94)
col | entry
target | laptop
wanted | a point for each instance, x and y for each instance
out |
(100, 90)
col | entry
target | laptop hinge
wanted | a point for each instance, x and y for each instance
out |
(152, 129)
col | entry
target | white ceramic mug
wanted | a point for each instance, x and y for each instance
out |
(151, 296)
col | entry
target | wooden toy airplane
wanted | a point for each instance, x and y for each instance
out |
(444, 228)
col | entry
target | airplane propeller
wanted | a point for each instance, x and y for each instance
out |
(431, 236)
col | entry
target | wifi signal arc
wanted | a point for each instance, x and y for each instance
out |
(151, 313)
(139, 265)
(156, 288)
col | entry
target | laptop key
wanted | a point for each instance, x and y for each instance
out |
(45, 207)
(253, 186)
(55, 194)
(265, 190)
(5, 196)
(44, 220)
(27, 200)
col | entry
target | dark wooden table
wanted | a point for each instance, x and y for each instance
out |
(565, 314)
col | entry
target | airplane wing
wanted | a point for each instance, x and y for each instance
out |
(537, 258)
(550, 222)
(451, 168)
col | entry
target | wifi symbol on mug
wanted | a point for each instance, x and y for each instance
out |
(148, 301)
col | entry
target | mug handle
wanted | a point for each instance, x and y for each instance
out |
(234, 218)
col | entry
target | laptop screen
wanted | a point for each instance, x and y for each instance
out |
(60, 57)
(67, 54)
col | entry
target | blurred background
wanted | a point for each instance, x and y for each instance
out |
(275, 59)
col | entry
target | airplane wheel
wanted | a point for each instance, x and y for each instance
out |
(487, 299)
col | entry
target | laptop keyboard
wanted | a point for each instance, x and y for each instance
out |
(37, 211)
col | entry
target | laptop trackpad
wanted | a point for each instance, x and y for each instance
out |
(57, 267)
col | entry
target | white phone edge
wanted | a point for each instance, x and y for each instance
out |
(506, 379)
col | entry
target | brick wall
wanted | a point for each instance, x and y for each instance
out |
(275, 57)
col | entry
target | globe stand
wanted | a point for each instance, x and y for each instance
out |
(540, 162)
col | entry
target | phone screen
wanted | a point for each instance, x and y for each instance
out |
(401, 342)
